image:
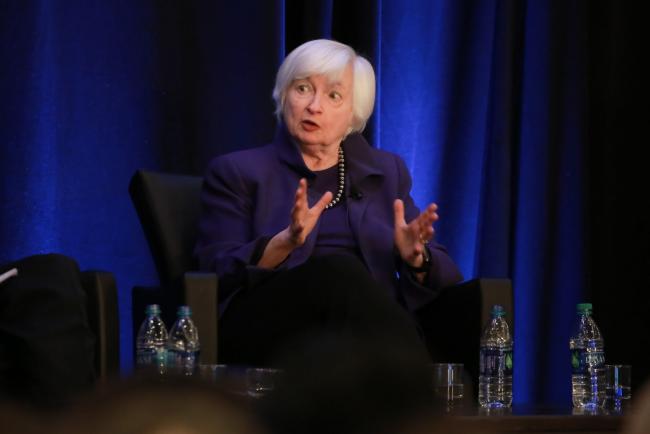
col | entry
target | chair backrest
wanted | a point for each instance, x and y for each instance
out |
(168, 206)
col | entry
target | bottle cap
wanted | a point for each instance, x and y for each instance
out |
(584, 307)
(498, 310)
(152, 309)
(184, 311)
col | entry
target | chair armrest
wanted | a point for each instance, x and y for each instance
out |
(201, 297)
(101, 304)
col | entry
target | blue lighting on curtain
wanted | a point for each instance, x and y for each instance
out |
(548, 265)
(42, 197)
(82, 103)
(432, 66)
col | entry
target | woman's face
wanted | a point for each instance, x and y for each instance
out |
(318, 112)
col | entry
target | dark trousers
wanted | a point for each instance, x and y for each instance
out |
(333, 295)
(46, 346)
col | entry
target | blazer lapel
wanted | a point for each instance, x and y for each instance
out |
(364, 179)
(289, 155)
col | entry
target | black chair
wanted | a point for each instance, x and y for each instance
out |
(101, 313)
(169, 206)
(103, 319)
(45, 336)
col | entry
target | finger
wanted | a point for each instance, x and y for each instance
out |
(323, 201)
(301, 193)
(300, 200)
(424, 230)
(427, 234)
(398, 211)
(431, 213)
(426, 224)
(295, 211)
(422, 222)
(428, 217)
(296, 220)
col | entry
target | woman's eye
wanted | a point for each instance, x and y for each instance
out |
(335, 96)
(302, 88)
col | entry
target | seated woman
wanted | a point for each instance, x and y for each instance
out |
(347, 250)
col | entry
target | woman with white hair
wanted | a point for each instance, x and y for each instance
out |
(317, 230)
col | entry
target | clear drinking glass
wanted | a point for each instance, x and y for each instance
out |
(215, 373)
(448, 382)
(261, 381)
(618, 382)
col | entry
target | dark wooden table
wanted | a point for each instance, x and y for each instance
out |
(523, 419)
(468, 418)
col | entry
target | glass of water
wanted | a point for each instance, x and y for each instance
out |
(448, 382)
(618, 382)
(261, 381)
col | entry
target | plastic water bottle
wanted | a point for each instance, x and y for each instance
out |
(151, 341)
(587, 361)
(183, 346)
(495, 379)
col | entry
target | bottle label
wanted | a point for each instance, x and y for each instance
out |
(578, 366)
(145, 357)
(583, 360)
(495, 361)
(151, 359)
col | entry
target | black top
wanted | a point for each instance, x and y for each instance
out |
(334, 234)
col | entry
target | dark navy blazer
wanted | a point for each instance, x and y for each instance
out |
(247, 197)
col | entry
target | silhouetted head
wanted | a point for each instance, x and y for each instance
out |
(350, 384)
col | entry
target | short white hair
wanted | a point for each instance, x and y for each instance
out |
(329, 58)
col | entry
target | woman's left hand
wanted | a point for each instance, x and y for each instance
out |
(411, 238)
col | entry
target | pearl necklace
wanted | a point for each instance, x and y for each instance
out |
(341, 189)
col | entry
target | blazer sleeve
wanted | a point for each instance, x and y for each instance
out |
(226, 242)
(443, 271)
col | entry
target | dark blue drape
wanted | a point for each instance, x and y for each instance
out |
(486, 102)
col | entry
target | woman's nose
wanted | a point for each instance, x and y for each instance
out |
(314, 105)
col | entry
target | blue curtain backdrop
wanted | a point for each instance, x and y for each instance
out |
(488, 102)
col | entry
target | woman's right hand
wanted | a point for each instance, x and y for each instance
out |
(303, 220)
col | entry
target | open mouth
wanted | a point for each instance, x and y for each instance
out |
(309, 125)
